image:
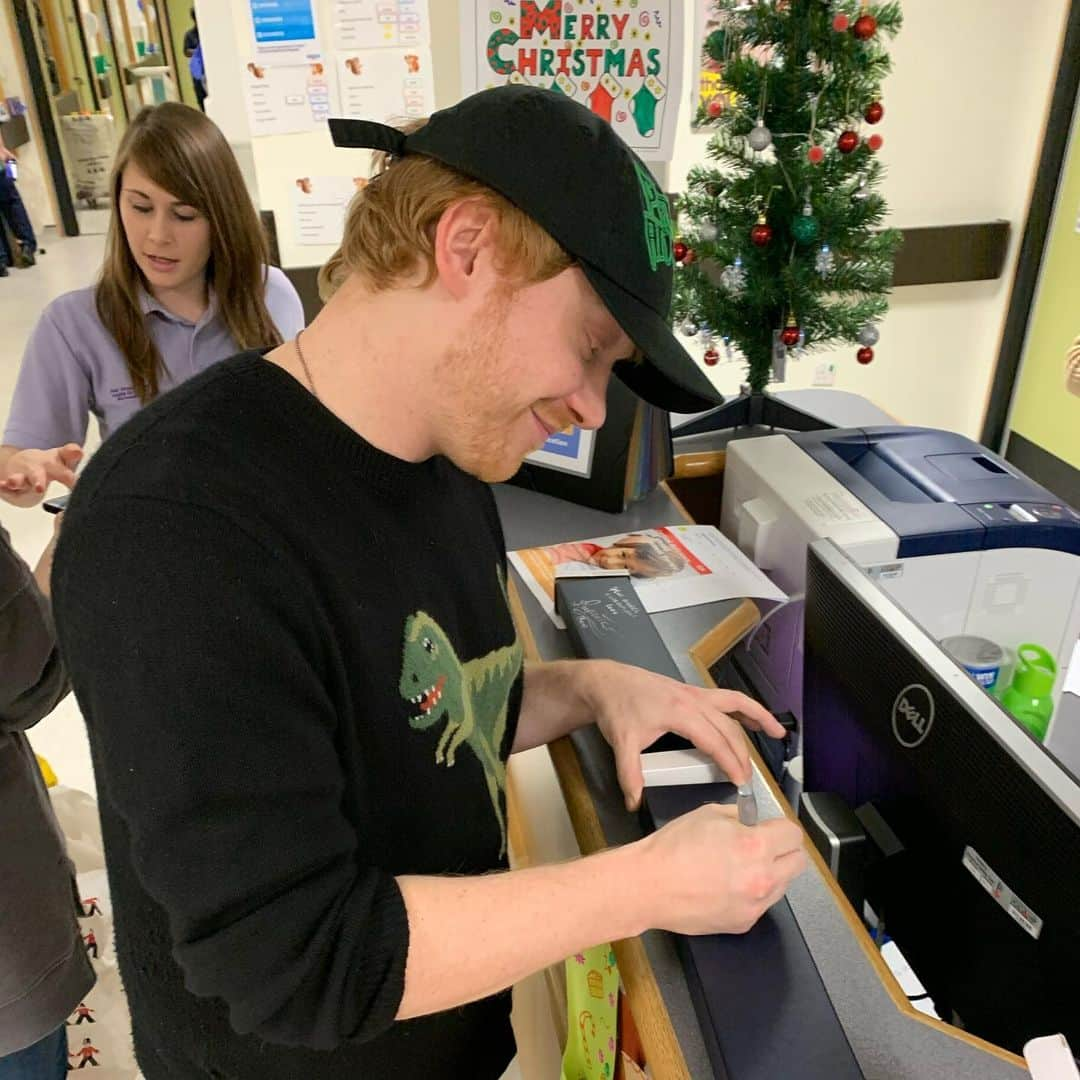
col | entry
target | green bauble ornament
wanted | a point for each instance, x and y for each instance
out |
(804, 228)
(714, 44)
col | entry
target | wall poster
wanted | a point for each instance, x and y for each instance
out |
(375, 24)
(622, 61)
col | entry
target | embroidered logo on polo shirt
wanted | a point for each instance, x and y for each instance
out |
(659, 235)
(122, 393)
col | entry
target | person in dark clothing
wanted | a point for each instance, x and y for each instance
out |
(44, 972)
(14, 216)
(302, 688)
(193, 52)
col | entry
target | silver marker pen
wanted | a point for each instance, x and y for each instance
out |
(747, 804)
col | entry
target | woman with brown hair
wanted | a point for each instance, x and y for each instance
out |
(185, 284)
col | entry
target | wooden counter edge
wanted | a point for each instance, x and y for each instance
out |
(662, 1050)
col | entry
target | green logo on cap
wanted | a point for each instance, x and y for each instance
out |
(659, 236)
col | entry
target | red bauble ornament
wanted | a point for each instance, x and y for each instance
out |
(681, 251)
(865, 355)
(761, 234)
(865, 27)
(712, 357)
(715, 107)
(875, 142)
(841, 23)
(815, 155)
(790, 336)
(874, 112)
(847, 141)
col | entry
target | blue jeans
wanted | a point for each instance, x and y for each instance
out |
(14, 215)
(45, 1060)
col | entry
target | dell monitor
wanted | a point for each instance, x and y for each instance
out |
(983, 899)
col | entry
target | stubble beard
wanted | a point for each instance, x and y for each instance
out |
(480, 418)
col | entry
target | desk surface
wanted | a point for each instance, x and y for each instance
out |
(888, 1043)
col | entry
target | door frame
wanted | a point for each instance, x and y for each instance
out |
(1047, 179)
(39, 88)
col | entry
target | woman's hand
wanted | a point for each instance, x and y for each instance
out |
(27, 473)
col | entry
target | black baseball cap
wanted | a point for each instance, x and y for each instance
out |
(567, 169)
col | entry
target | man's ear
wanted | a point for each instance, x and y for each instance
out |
(465, 240)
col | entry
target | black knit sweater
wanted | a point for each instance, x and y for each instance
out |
(300, 679)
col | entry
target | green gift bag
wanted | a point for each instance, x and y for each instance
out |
(592, 1001)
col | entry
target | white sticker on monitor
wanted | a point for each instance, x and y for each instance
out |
(982, 872)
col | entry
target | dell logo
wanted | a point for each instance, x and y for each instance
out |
(912, 715)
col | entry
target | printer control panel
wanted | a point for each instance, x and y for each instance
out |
(1022, 513)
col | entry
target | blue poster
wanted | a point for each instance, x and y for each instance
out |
(283, 26)
(567, 451)
(282, 21)
(564, 443)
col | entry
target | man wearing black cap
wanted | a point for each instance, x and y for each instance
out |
(281, 597)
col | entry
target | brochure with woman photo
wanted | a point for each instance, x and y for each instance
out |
(672, 567)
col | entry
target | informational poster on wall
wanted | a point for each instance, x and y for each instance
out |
(320, 204)
(622, 61)
(375, 24)
(283, 100)
(568, 451)
(284, 31)
(388, 85)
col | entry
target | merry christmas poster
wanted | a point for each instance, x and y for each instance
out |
(620, 58)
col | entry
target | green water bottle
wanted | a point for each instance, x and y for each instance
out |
(1028, 696)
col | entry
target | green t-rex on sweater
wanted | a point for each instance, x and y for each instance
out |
(473, 696)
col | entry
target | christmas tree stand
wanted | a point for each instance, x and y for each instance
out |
(751, 409)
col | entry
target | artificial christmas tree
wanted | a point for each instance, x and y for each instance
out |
(784, 227)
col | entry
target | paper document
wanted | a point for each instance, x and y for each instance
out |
(387, 85)
(672, 567)
(372, 24)
(319, 206)
(283, 100)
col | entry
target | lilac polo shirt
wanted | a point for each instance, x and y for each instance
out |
(72, 366)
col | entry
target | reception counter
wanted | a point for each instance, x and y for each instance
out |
(890, 1040)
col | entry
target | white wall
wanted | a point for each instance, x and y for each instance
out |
(965, 112)
(34, 183)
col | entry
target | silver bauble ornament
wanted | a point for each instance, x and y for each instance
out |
(869, 335)
(760, 138)
(733, 278)
(689, 328)
(825, 261)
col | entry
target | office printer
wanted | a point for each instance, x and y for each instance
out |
(953, 533)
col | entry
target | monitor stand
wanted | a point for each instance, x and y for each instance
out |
(753, 410)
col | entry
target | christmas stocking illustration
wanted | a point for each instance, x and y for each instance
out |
(603, 97)
(644, 102)
(563, 84)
